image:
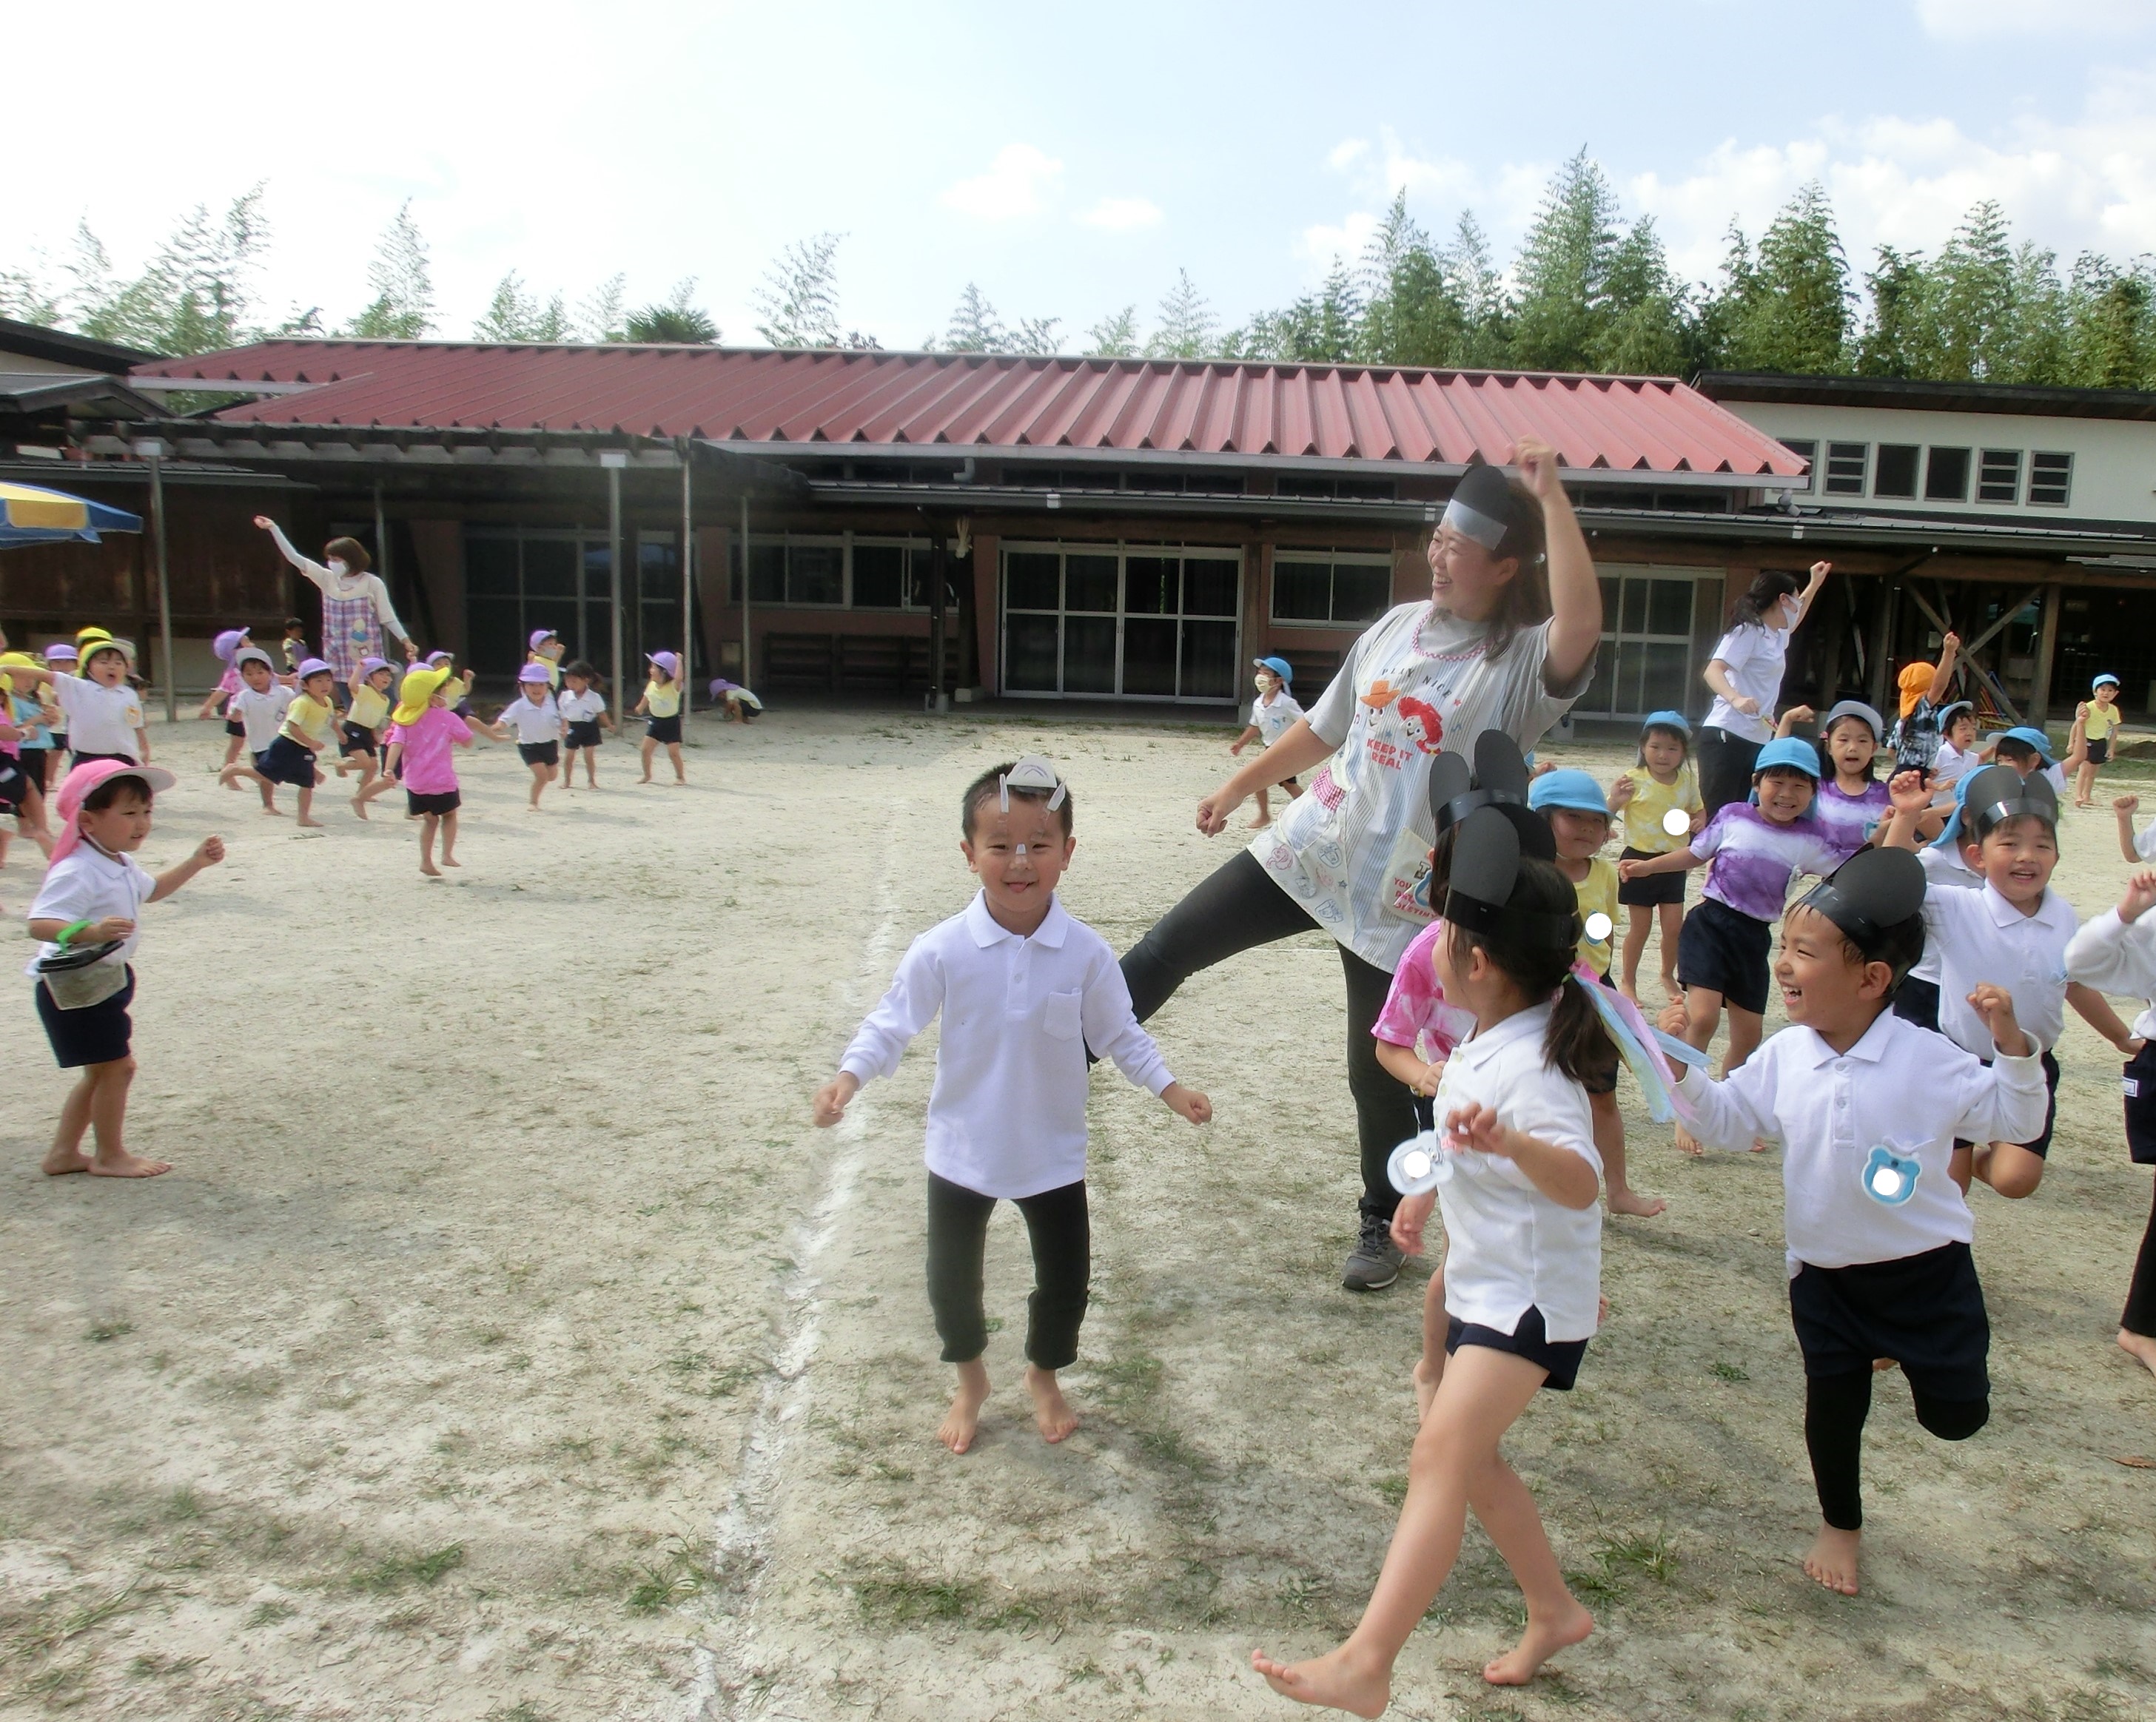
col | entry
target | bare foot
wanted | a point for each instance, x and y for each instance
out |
(2139, 1346)
(274, 813)
(1052, 1414)
(1832, 1560)
(123, 1165)
(1687, 1142)
(964, 1416)
(1542, 1641)
(1425, 1380)
(451, 861)
(644, 780)
(430, 870)
(1328, 1680)
(1257, 825)
(1629, 989)
(359, 806)
(1630, 1201)
(310, 824)
(61, 1161)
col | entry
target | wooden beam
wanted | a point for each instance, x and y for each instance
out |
(2005, 616)
(2047, 644)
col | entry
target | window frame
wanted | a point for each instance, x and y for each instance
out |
(1333, 559)
(846, 543)
(1122, 551)
(1932, 451)
(1986, 461)
(1837, 483)
(1615, 637)
(1883, 453)
(2065, 499)
(1809, 448)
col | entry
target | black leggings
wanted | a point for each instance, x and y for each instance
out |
(1056, 1221)
(2140, 1316)
(1835, 1409)
(1725, 768)
(1236, 908)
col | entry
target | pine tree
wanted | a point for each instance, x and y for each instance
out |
(2108, 335)
(195, 294)
(1564, 271)
(1472, 276)
(1895, 337)
(679, 321)
(799, 298)
(1115, 336)
(1413, 315)
(1188, 329)
(1645, 318)
(2034, 349)
(1035, 336)
(604, 316)
(1790, 312)
(403, 308)
(1970, 300)
(974, 326)
(516, 315)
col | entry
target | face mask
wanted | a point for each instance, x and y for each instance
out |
(340, 567)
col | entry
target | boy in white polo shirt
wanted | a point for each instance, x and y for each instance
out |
(1868, 1107)
(1023, 989)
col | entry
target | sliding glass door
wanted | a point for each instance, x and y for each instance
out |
(1129, 621)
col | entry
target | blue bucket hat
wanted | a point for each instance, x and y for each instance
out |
(1574, 790)
(1279, 666)
(1951, 709)
(1950, 834)
(1788, 750)
(1666, 721)
(2035, 738)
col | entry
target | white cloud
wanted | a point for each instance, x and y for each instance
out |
(1345, 153)
(1322, 244)
(1121, 214)
(1970, 20)
(1014, 184)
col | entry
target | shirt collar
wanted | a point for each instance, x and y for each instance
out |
(1534, 1020)
(988, 930)
(1870, 1046)
(2006, 915)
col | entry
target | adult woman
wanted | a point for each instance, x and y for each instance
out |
(356, 605)
(1746, 675)
(1500, 643)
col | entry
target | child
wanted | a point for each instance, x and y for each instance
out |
(86, 915)
(1271, 713)
(1755, 849)
(1916, 999)
(1957, 755)
(741, 705)
(105, 717)
(1659, 797)
(60, 658)
(1517, 1177)
(1851, 804)
(14, 786)
(2095, 719)
(2013, 930)
(364, 721)
(535, 721)
(1025, 990)
(294, 645)
(1867, 1108)
(421, 731)
(1579, 824)
(2028, 749)
(583, 712)
(310, 723)
(2117, 953)
(546, 652)
(661, 708)
(226, 646)
(1923, 686)
(260, 705)
(32, 716)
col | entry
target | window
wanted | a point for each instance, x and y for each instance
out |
(517, 580)
(1341, 489)
(2051, 480)
(1646, 661)
(1329, 588)
(1896, 475)
(836, 573)
(1807, 449)
(1946, 476)
(1845, 468)
(1998, 477)
(1154, 621)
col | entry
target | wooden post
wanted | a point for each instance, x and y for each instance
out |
(938, 579)
(156, 451)
(1882, 641)
(746, 671)
(614, 460)
(380, 536)
(2047, 644)
(688, 560)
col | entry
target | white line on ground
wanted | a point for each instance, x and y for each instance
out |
(722, 1690)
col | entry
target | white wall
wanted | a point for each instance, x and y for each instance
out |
(2114, 475)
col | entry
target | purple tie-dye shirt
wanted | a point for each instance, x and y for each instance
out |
(1751, 859)
(1849, 820)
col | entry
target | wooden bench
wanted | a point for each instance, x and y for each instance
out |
(1314, 671)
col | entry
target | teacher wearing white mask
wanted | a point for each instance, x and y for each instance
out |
(356, 606)
(1746, 675)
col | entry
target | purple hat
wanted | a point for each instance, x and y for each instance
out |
(542, 634)
(533, 672)
(670, 662)
(368, 666)
(226, 644)
(441, 658)
(61, 653)
(313, 666)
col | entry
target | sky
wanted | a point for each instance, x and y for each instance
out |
(1069, 159)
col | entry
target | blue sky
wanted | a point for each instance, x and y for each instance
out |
(1068, 158)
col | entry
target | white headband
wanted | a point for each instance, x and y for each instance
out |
(1473, 523)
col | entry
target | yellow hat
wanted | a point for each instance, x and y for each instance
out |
(84, 636)
(419, 687)
(18, 660)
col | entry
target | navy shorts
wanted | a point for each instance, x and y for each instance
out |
(1924, 1311)
(664, 729)
(1918, 1001)
(583, 733)
(1656, 888)
(233, 726)
(2099, 753)
(2139, 1083)
(540, 753)
(13, 785)
(91, 759)
(447, 802)
(1560, 1357)
(2041, 1146)
(284, 761)
(358, 739)
(1725, 952)
(96, 1034)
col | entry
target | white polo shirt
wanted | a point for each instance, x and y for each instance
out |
(1753, 655)
(1509, 1248)
(89, 885)
(1981, 936)
(1944, 870)
(261, 713)
(1896, 1087)
(2119, 957)
(582, 708)
(533, 724)
(1006, 1117)
(100, 720)
(1274, 721)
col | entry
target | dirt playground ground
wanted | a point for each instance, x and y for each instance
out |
(508, 1345)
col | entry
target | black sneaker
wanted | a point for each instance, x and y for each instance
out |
(1375, 1261)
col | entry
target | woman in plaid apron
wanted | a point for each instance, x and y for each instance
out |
(356, 606)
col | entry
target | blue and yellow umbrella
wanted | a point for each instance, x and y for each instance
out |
(31, 514)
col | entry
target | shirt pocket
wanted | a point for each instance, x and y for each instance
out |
(1059, 1014)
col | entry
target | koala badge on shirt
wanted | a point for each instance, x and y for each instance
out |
(1890, 1179)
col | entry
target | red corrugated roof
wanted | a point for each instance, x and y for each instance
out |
(751, 396)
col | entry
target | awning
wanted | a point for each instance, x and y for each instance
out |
(29, 513)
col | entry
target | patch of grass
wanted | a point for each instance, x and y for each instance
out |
(1728, 1371)
(1651, 1556)
(163, 1667)
(394, 1572)
(270, 1613)
(100, 1331)
(183, 1504)
(679, 1573)
(903, 1599)
(523, 1711)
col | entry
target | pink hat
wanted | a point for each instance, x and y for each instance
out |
(84, 778)
(313, 666)
(226, 644)
(669, 662)
(533, 672)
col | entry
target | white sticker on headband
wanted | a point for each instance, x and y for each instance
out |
(1035, 773)
(1473, 523)
(1676, 821)
(1599, 926)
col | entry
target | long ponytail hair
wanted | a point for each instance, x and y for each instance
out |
(1767, 588)
(1576, 1045)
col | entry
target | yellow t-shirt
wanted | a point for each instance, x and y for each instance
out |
(662, 700)
(369, 707)
(1651, 801)
(1598, 895)
(2101, 720)
(315, 719)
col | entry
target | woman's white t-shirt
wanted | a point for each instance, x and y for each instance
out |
(1753, 655)
(1416, 685)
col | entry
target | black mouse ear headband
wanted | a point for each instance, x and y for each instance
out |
(1486, 870)
(1498, 780)
(1872, 893)
(1998, 793)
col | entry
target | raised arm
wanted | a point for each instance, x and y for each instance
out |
(312, 570)
(1942, 676)
(1575, 633)
(1820, 572)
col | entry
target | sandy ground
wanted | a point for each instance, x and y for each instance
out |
(508, 1345)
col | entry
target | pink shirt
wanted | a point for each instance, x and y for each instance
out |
(428, 769)
(1415, 1010)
